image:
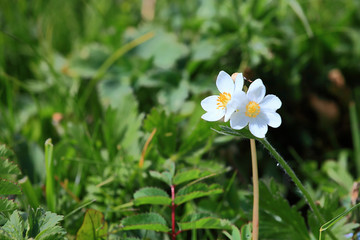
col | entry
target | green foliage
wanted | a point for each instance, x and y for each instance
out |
(97, 77)
(349, 227)
(94, 227)
(147, 221)
(156, 196)
(198, 190)
(151, 195)
(199, 221)
(278, 219)
(8, 173)
(39, 225)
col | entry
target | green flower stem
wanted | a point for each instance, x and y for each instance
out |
(296, 180)
(255, 190)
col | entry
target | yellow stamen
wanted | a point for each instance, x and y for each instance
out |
(223, 99)
(252, 109)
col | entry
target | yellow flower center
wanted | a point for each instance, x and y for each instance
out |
(223, 99)
(252, 109)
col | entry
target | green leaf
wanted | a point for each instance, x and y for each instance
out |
(8, 188)
(164, 48)
(151, 195)
(206, 223)
(243, 133)
(246, 232)
(164, 176)
(198, 190)
(7, 205)
(188, 175)
(44, 225)
(5, 152)
(165, 139)
(8, 167)
(145, 221)
(235, 234)
(278, 219)
(14, 227)
(93, 226)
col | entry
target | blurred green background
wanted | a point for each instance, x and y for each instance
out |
(99, 76)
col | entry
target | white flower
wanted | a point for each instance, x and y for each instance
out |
(256, 109)
(219, 106)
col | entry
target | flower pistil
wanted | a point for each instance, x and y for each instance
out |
(252, 109)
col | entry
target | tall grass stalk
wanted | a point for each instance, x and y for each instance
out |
(29, 192)
(50, 186)
(354, 121)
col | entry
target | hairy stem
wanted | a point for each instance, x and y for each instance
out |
(296, 180)
(255, 233)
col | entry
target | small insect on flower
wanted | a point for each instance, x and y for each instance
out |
(222, 105)
(257, 110)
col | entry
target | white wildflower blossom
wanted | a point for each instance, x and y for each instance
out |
(222, 105)
(255, 109)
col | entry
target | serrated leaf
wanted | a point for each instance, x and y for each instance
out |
(14, 227)
(198, 190)
(186, 176)
(8, 188)
(93, 226)
(43, 225)
(206, 223)
(278, 219)
(151, 195)
(145, 221)
(8, 167)
(7, 205)
(5, 152)
(164, 176)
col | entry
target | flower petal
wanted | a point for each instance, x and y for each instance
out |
(239, 82)
(209, 103)
(213, 115)
(225, 83)
(270, 102)
(238, 120)
(229, 111)
(238, 100)
(256, 91)
(273, 119)
(258, 127)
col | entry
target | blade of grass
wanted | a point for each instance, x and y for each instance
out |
(29, 192)
(50, 186)
(296, 7)
(328, 224)
(81, 206)
(354, 121)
